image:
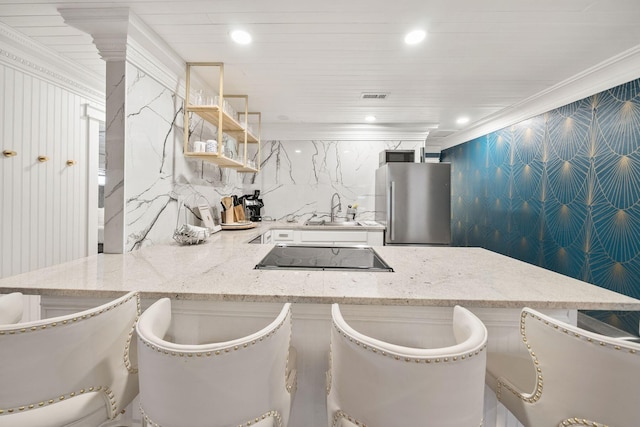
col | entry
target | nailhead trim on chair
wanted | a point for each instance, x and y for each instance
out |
(291, 388)
(73, 320)
(271, 414)
(127, 361)
(219, 352)
(340, 414)
(538, 392)
(581, 422)
(103, 389)
(426, 360)
(69, 321)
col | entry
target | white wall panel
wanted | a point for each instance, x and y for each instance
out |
(43, 212)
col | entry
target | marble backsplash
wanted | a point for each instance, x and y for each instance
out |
(158, 176)
(297, 178)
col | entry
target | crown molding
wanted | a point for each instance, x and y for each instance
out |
(120, 35)
(107, 26)
(346, 132)
(615, 71)
(30, 57)
(148, 41)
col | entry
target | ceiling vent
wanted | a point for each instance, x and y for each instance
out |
(374, 95)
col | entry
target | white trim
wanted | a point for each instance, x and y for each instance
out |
(93, 117)
(141, 58)
(155, 55)
(94, 113)
(615, 71)
(24, 54)
(345, 132)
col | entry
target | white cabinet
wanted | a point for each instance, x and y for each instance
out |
(375, 237)
(266, 237)
(282, 236)
(346, 237)
(328, 237)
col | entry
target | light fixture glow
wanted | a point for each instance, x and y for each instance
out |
(462, 120)
(415, 37)
(241, 37)
(370, 119)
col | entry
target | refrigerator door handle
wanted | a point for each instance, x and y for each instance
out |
(392, 211)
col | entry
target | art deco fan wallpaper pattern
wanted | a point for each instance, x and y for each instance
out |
(561, 190)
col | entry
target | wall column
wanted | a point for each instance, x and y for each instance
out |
(109, 28)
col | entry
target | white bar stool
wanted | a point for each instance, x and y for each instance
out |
(69, 370)
(570, 376)
(375, 383)
(248, 381)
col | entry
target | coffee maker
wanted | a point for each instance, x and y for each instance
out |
(252, 205)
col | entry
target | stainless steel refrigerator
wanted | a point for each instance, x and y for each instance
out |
(413, 201)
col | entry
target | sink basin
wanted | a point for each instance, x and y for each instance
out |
(332, 224)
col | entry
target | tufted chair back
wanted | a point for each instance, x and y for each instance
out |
(69, 370)
(570, 376)
(10, 308)
(246, 381)
(378, 384)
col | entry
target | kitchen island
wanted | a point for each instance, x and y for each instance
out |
(222, 269)
(215, 282)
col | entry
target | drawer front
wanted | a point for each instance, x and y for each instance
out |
(356, 237)
(282, 235)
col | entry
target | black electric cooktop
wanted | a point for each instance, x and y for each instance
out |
(302, 257)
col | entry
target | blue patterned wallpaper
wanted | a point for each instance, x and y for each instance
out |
(561, 190)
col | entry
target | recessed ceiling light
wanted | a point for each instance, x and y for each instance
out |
(370, 119)
(462, 120)
(415, 37)
(241, 37)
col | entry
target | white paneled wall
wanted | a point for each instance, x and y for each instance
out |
(43, 206)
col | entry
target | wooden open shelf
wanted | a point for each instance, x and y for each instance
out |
(226, 124)
(211, 114)
(222, 161)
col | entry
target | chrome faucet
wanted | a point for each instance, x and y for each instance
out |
(333, 206)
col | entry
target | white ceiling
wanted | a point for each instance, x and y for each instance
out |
(311, 60)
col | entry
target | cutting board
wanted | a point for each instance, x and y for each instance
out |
(239, 225)
(239, 213)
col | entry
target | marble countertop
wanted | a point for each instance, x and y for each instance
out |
(222, 269)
